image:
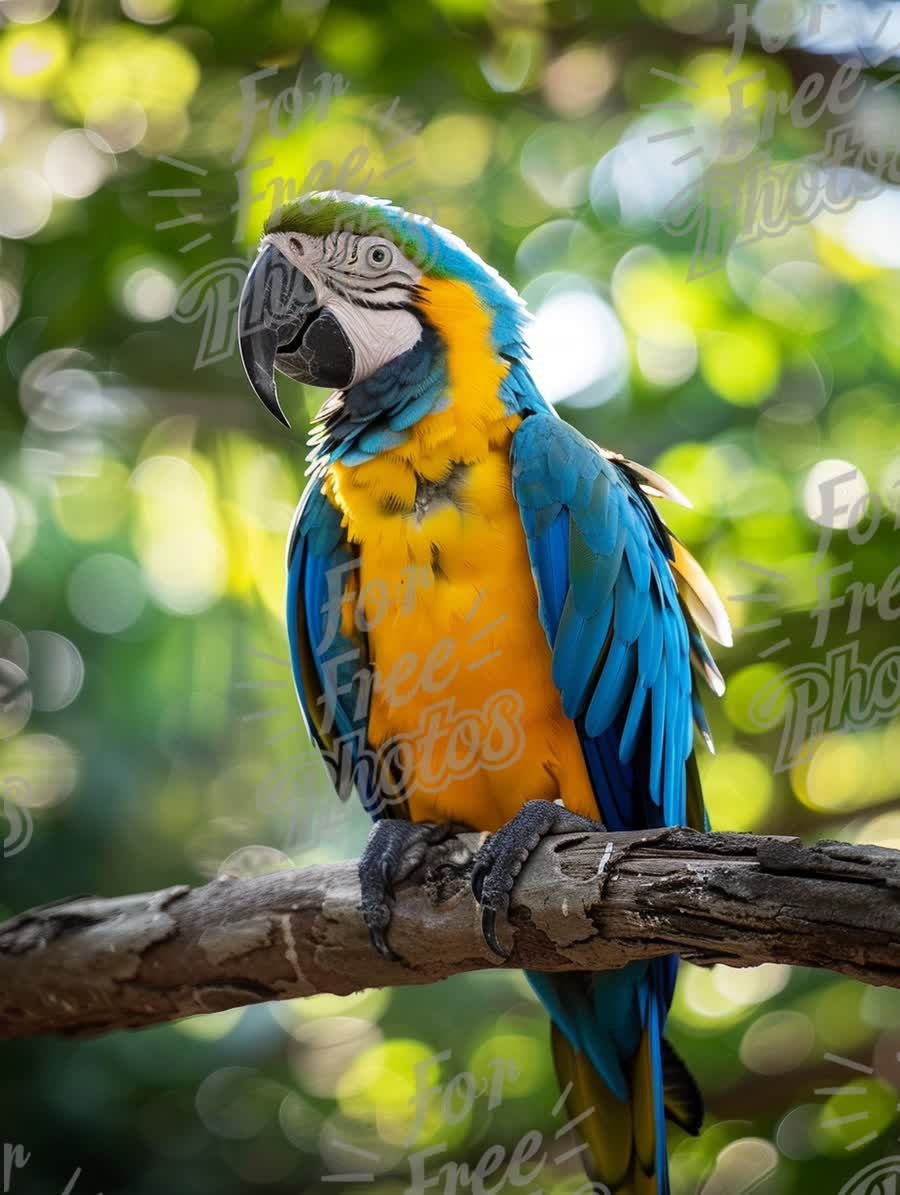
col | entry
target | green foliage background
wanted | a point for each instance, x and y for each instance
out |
(144, 505)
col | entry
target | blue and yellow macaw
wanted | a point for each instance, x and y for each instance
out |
(490, 624)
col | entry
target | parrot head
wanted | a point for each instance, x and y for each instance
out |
(336, 292)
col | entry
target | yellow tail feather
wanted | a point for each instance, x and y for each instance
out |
(621, 1136)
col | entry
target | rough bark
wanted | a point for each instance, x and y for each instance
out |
(585, 902)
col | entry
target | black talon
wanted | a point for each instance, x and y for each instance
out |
(489, 932)
(393, 850)
(376, 937)
(479, 871)
(502, 857)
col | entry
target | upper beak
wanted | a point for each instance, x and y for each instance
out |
(276, 304)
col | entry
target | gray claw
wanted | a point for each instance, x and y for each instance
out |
(489, 932)
(479, 871)
(502, 857)
(377, 939)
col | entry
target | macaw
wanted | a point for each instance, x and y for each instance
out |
(490, 625)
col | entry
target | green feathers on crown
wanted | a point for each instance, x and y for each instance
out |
(321, 213)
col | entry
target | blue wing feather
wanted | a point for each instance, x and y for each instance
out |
(633, 720)
(621, 654)
(330, 664)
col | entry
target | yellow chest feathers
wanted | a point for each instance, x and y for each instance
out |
(463, 709)
(453, 460)
(462, 696)
(435, 517)
(439, 536)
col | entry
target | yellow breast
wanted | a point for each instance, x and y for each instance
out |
(463, 709)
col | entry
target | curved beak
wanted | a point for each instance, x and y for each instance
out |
(277, 304)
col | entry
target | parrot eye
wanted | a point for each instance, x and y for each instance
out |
(377, 256)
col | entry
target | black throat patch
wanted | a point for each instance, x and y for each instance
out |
(376, 415)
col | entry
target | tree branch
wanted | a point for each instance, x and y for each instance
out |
(585, 902)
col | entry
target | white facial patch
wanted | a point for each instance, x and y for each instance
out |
(366, 283)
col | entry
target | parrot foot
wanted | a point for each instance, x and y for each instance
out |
(505, 853)
(393, 850)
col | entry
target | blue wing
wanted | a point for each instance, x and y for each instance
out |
(608, 580)
(330, 660)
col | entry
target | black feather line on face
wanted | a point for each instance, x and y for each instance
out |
(361, 286)
(358, 300)
(352, 281)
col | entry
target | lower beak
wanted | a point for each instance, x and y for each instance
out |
(277, 304)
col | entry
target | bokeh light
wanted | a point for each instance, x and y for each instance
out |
(568, 366)
(106, 593)
(32, 58)
(73, 166)
(25, 202)
(835, 494)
